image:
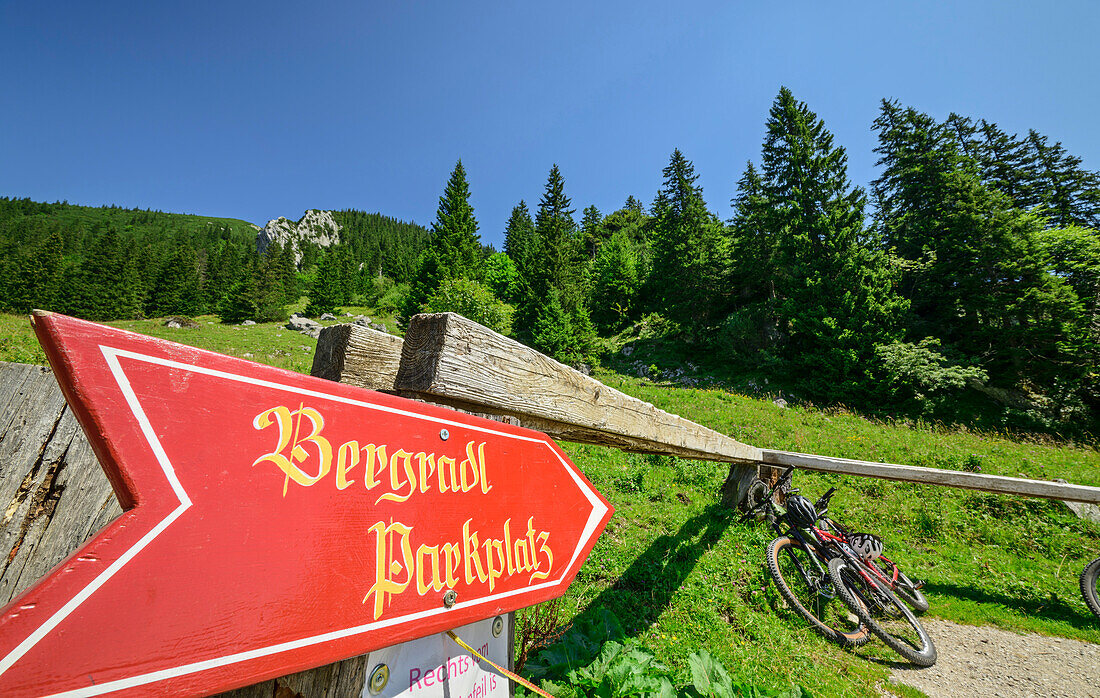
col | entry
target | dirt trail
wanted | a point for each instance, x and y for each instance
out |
(987, 661)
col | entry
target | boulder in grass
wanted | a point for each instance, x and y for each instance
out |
(328, 316)
(177, 321)
(304, 325)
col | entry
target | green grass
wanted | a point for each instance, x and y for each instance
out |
(268, 343)
(683, 576)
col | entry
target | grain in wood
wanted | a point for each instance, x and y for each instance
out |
(357, 356)
(458, 362)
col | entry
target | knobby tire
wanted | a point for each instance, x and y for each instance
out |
(1090, 579)
(879, 607)
(905, 588)
(831, 618)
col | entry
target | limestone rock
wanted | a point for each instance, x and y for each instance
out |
(177, 321)
(315, 227)
(304, 325)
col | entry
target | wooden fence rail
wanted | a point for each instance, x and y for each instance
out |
(934, 476)
(452, 360)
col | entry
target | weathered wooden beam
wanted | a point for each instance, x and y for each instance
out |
(934, 476)
(357, 356)
(456, 361)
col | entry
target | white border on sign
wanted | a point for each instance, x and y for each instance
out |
(111, 355)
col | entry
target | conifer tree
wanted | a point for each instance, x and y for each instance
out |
(552, 303)
(454, 248)
(687, 280)
(827, 288)
(324, 296)
(96, 292)
(976, 273)
(556, 247)
(591, 234)
(519, 237)
(178, 289)
(455, 241)
(752, 244)
(38, 282)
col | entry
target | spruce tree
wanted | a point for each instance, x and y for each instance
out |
(552, 302)
(96, 292)
(827, 287)
(976, 273)
(39, 277)
(519, 245)
(454, 239)
(591, 234)
(327, 289)
(178, 288)
(687, 280)
(557, 246)
(454, 248)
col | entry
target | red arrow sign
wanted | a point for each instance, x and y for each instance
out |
(276, 522)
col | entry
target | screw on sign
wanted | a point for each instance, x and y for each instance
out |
(275, 522)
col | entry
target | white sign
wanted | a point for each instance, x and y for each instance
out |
(437, 667)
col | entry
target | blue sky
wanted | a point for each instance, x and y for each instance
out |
(256, 110)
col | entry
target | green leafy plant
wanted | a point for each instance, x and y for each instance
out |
(473, 300)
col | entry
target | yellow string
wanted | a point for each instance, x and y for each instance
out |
(510, 674)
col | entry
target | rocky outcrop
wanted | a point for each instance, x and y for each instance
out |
(315, 228)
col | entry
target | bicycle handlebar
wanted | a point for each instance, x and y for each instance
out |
(822, 504)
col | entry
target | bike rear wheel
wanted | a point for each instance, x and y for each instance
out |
(883, 612)
(809, 592)
(1090, 586)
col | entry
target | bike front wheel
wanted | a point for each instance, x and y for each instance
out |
(883, 612)
(808, 590)
(1090, 586)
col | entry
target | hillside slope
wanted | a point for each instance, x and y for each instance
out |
(681, 574)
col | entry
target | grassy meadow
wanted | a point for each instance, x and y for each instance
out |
(682, 576)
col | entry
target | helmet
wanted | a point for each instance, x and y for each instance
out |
(867, 546)
(800, 512)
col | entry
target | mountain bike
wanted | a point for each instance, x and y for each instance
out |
(864, 580)
(1090, 586)
(799, 568)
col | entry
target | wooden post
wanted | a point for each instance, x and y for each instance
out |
(357, 356)
(455, 361)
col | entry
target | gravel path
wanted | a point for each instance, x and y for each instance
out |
(987, 661)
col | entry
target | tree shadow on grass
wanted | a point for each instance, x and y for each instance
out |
(645, 589)
(1052, 608)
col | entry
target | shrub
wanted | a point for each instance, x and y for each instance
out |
(473, 300)
(920, 374)
(502, 277)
